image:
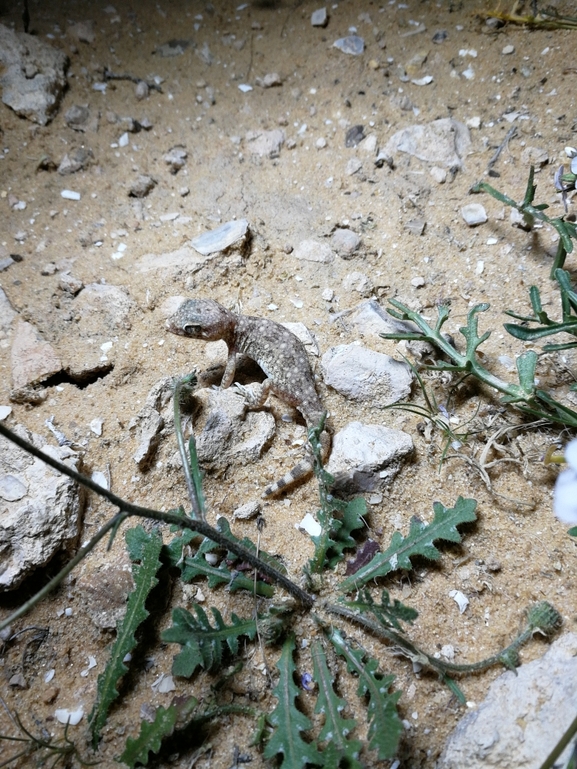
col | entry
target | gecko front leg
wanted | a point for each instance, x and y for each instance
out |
(229, 371)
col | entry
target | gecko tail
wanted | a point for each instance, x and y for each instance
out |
(300, 471)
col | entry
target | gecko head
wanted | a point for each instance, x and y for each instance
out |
(200, 319)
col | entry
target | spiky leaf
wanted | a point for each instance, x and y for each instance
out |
(287, 720)
(338, 520)
(385, 726)
(419, 541)
(339, 749)
(388, 614)
(150, 738)
(146, 547)
(202, 644)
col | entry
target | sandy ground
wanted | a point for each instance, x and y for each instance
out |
(304, 192)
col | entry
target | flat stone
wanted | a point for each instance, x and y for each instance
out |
(366, 457)
(265, 144)
(221, 238)
(33, 359)
(314, 251)
(444, 142)
(474, 214)
(366, 375)
(523, 716)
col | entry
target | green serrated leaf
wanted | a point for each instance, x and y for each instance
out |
(203, 644)
(150, 738)
(173, 552)
(147, 548)
(198, 566)
(287, 720)
(336, 729)
(385, 726)
(336, 534)
(419, 541)
(388, 614)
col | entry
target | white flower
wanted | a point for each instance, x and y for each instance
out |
(565, 494)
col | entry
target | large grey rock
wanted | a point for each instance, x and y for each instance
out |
(33, 359)
(523, 716)
(103, 309)
(40, 509)
(444, 142)
(231, 434)
(151, 420)
(34, 76)
(365, 375)
(367, 457)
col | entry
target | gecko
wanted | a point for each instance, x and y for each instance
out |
(278, 352)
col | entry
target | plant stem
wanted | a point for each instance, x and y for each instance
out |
(129, 509)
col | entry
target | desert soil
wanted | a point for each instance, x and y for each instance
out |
(517, 552)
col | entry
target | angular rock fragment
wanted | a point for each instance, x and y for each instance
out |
(33, 359)
(444, 142)
(367, 457)
(142, 186)
(34, 76)
(265, 143)
(175, 159)
(40, 509)
(365, 375)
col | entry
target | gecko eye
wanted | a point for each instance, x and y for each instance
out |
(192, 329)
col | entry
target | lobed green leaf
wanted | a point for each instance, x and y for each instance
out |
(419, 541)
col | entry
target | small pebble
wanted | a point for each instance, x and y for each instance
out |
(438, 174)
(508, 49)
(418, 282)
(319, 18)
(352, 44)
(321, 143)
(123, 141)
(473, 214)
(48, 269)
(328, 295)
(141, 90)
(70, 195)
